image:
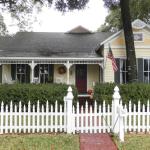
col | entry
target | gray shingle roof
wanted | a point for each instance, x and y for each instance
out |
(43, 44)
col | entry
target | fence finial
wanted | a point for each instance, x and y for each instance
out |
(69, 94)
(116, 94)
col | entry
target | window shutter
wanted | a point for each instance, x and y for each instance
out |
(0, 73)
(13, 71)
(27, 74)
(51, 73)
(36, 71)
(117, 73)
(140, 69)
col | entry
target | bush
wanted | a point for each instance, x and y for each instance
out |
(133, 92)
(34, 92)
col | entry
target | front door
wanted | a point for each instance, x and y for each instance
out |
(81, 78)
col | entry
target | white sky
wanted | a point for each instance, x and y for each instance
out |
(53, 21)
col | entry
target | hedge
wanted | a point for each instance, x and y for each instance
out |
(34, 92)
(133, 92)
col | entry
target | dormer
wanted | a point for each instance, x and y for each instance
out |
(79, 30)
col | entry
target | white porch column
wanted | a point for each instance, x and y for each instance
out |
(68, 65)
(32, 65)
(101, 72)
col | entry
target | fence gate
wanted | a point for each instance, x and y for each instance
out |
(98, 119)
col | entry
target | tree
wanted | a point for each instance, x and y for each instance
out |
(128, 33)
(23, 11)
(138, 9)
(129, 40)
(3, 29)
(61, 5)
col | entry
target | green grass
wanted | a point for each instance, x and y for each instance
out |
(135, 142)
(39, 142)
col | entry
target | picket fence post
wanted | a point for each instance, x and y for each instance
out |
(117, 115)
(69, 114)
(115, 122)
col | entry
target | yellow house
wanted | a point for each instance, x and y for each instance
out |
(76, 57)
(141, 32)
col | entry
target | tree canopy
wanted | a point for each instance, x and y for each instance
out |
(23, 11)
(61, 5)
(138, 9)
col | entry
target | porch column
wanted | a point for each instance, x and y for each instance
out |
(101, 72)
(32, 65)
(68, 65)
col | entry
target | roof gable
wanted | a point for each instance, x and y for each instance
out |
(137, 24)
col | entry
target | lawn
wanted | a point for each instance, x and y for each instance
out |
(135, 142)
(39, 142)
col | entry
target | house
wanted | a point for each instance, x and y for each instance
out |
(77, 57)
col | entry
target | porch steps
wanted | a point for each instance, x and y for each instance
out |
(98, 141)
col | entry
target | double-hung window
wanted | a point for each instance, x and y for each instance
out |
(44, 73)
(146, 71)
(123, 71)
(21, 73)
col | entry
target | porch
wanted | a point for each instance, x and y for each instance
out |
(82, 72)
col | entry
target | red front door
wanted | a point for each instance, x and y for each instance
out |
(81, 78)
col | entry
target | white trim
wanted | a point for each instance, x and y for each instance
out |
(46, 58)
(143, 24)
(123, 47)
(111, 37)
(40, 60)
(116, 34)
(142, 36)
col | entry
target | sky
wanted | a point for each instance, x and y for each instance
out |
(53, 21)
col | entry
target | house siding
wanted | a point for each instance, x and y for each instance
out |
(92, 75)
(142, 50)
(59, 78)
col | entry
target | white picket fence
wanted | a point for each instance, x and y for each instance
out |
(30, 119)
(72, 119)
(137, 118)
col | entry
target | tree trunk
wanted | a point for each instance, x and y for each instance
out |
(129, 41)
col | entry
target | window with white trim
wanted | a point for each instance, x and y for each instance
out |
(44, 73)
(146, 70)
(21, 73)
(138, 37)
(123, 71)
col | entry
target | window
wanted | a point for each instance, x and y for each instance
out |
(22, 73)
(44, 73)
(146, 70)
(138, 37)
(123, 71)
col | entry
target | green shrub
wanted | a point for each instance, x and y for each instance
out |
(133, 92)
(34, 92)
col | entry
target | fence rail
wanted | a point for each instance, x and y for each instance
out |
(100, 118)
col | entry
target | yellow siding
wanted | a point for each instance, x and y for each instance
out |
(92, 75)
(118, 41)
(108, 71)
(117, 45)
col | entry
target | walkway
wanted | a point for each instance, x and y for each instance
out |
(98, 141)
